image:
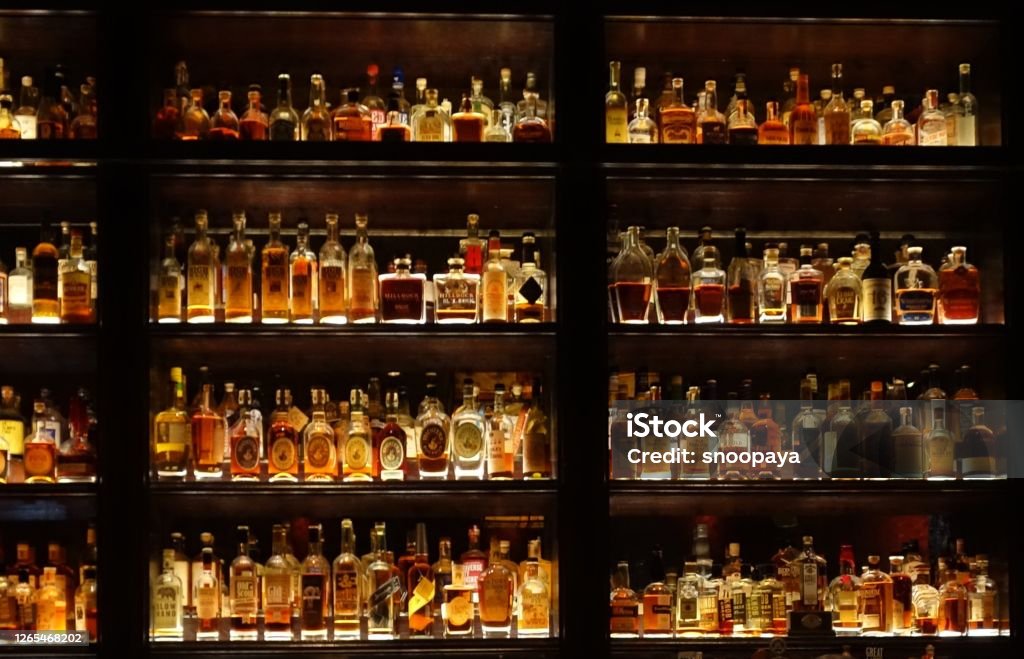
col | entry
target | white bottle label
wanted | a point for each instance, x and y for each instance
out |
(28, 126)
(876, 299)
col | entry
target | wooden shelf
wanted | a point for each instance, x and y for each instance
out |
(532, 648)
(56, 502)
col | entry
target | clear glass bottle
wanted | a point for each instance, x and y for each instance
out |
(203, 267)
(238, 294)
(75, 282)
(208, 430)
(643, 129)
(469, 122)
(304, 282)
(940, 448)
(709, 293)
(421, 588)
(171, 433)
(734, 438)
(976, 451)
(320, 453)
(494, 284)
(363, 295)
(431, 123)
(837, 112)
(51, 604)
(433, 430)
(207, 598)
(772, 130)
(865, 129)
(931, 124)
(844, 595)
(916, 289)
(496, 588)
(632, 281)
(967, 128)
(678, 120)
(167, 603)
(170, 284)
(843, 294)
(959, 290)
(672, 274)
(532, 127)
(402, 298)
(395, 128)
(244, 591)
(771, 289)
(898, 131)
(357, 449)
(278, 587)
(347, 580)
(456, 295)
(742, 283)
(982, 602)
(468, 432)
(534, 618)
(224, 123)
(332, 277)
(711, 123)
(284, 120)
(380, 605)
(25, 114)
(876, 608)
(616, 108)
(500, 452)
(282, 441)
(352, 121)
(317, 125)
(742, 128)
(902, 596)
(805, 290)
(813, 578)
(925, 599)
(274, 277)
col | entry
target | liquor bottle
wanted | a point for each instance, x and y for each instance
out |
(643, 129)
(952, 603)
(254, 123)
(916, 287)
(925, 598)
(632, 274)
(203, 266)
(284, 121)
(908, 449)
(394, 129)
(472, 247)
(76, 460)
(982, 609)
(771, 289)
(616, 108)
(207, 598)
(789, 96)
(195, 120)
(45, 289)
(26, 114)
(282, 441)
(41, 448)
(805, 285)
(10, 127)
(876, 288)
(672, 273)
(876, 606)
(51, 117)
(302, 266)
(534, 619)
(865, 130)
(494, 282)
(742, 128)
(803, 120)
(837, 112)
(246, 442)
(444, 571)
(813, 578)
(224, 123)
(844, 595)
(959, 290)
(402, 295)
(274, 277)
(85, 604)
(765, 436)
(457, 294)
(536, 440)
(421, 588)
(208, 430)
(468, 123)
(167, 604)
(709, 293)
(238, 292)
(875, 434)
(657, 601)
(807, 438)
(316, 120)
(332, 277)
(316, 572)
(320, 453)
(678, 120)
(65, 580)
(931, 125)
(19, 290)
(347, 579)
(939, 447)
(976, 452)
(352, 120)
(773, 130)
(432, 432)
(431, 123)
(51, 605)
(75, 284)
(373, 102)
(902, 594)
(500, 449)
(171, 283)
(624, 619)
(741, 281)
(381, 587)
(967, 128)
(710, 122)
(843, 293)
(358, 451)
(495, 588)
(363, 296)
(898, 131)
(468, 432)
(392, 446)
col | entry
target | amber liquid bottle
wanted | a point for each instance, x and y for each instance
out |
(422, 587)
(803, 121)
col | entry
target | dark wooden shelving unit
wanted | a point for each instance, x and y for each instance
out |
(471, 648)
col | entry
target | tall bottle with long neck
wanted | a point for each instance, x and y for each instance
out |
(672, 294)
(876, 287)
(244, 593)
(333, 307)
(274, 279)
(421, 588)
(347, 585)
(616, 108)
(837, 112)
(278, 583)
(238, 302)
(284, 120)
(317, 125)
(380, 602)
(202, 275)
(966, 111)
(302, 277)
(742, 283)
(363, 297)
(316, 572)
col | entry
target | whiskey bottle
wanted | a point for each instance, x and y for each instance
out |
(352, 121)
(26, 112)
(332, 278)
(85, 604)
(396, 125)
(843, 293)
(274, 277)
(238, 294)
(402, 295)
(772, 130)
(278, 584)
(254, 123)
(939, 447)
(916, 288)
(531, 284)
(967, 124)
(347, 585)
(472, 247)
(392, 447)
(246, 442)
(742, 128)
(467, 440)
(304, 283)
(495, 586)
(170, 285)
(51, 117)
(207, 598)
(976, 451)
(500, 451)
(803, 120)
(902, 593)
(765, 437)
(616, 108)
(494, 283)
(363, 294)
(875, 435)
(358, 451)
(741, 282)
(41, 448)
(807, 435)
(982, 600)
(76, 461)
(284, 121)
(657, 601)
(421, 588)
(711, 124)
(632, 279)
(678, 120)
(876, 608)
(431, 123)
(672, 274)
(381, 587)
(457, 300)
(624, 619)
(473, 561)
(469, 122)
(844, 595)
(433, 429)
(172, 433)
(316, 572)
(536, 438)
(51, 607)
(282, 441)
(959, 290)
(244, 596)
(534, 603)
(208, 430)
(203, 266)
(837, 112)
(316, 120)
(320, 453)
(908, 449)
(897, 131)
(876, 287)
(805, 290)
(810, 569)
(224, 123)
(167, 603)
(45, 276)
(931, 125)
(771, 287)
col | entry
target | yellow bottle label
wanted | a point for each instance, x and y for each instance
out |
(422, 595)
(616, 126)
(13, 433)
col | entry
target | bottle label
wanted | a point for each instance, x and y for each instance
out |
(679, 130)
(201, 283)
(940, 457)
(530, 290)
(282, 131)
(44, 281)
(773, 293)
(13, 432)
(282, 452)
(639, 138)
(300, 288)
(39, 457)
(28, 126)
(422, 595)
(916, 302)
(313, 600)
(844, 304)
(468, 442)
(657, 613)
(363, 285)
(624, 618)
(495, 303)
(809, 584)
(804, 131)
(319, 452)
(496, 450)
(496, 597)
(459, 610)
(973, 466)
(247, 452)
(346, 593)
(392, 453)
(357, 452)
(966, 130)
(166, 607)
(616, 126)
(431, 127)
(876, 299)
(433, 441)
(206, 602)
(534, 610)
(17, 291)
(933, 134)
(278, 605)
